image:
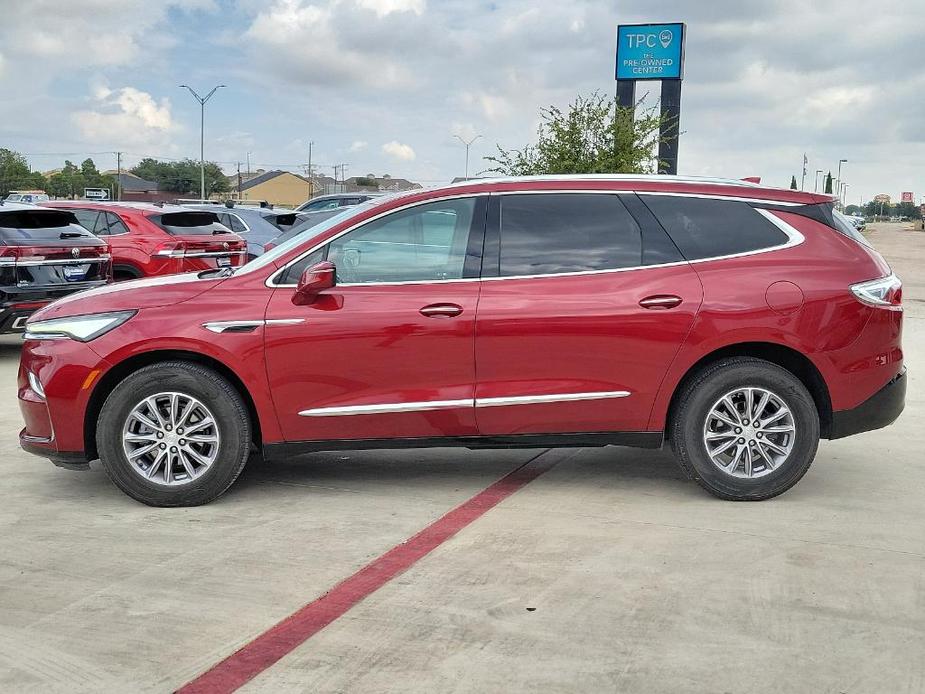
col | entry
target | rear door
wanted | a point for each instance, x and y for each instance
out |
(584, 303)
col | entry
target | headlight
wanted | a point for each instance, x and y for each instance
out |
(81, 328)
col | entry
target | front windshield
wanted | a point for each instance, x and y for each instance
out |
(269, 258)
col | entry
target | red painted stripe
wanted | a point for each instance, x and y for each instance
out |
(270, 646)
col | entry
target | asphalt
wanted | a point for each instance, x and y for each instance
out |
(610, 572)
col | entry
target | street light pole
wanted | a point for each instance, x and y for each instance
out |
(838, 179)
(467, 144)
(816, 184)
(202, 134)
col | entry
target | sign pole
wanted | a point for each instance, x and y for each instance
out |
(668, 131)
(626, 93)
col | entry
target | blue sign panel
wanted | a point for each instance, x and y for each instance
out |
(650, 51)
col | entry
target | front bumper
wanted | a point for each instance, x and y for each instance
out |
(879, 410)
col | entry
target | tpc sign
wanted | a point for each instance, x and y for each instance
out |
(650, 51)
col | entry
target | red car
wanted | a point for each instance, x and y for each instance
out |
(736, 322)
(152, 239)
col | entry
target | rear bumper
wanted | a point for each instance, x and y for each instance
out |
(879, 410)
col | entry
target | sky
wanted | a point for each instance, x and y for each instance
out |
(384, 86)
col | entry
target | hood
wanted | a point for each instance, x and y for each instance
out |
(150, 292)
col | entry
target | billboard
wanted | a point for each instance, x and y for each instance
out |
(907, 197)
(650, 51)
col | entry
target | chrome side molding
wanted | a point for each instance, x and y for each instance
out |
(247, 326)
(396, 407)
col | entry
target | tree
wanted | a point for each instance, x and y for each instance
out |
(828, 183)
(594, 135)
(793, 183)
(182, 176)
(15, 173)
(853, 210)
(367, 182)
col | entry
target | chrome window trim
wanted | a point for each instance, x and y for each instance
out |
(795, 238)
(427, 405)
(270, 280)
(215, 254)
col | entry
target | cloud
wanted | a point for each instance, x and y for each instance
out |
(124, 116)
(399, 151)
(386, 7)
(357, 146)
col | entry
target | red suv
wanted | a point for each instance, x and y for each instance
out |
(152, 239)
(738, 323)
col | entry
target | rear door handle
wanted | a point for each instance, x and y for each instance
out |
(660, 301)
(441, 310)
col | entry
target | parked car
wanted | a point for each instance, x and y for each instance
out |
(44, 255)
(27, 197)
(258, 225)
(330, 202)
(857, 221)
(738, 323)
(307, 221)
(152, 239)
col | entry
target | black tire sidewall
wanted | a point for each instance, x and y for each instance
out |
(700, 396)
(219, 396)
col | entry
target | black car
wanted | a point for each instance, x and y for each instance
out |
(44, 255)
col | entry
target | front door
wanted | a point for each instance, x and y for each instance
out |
(389, 351)
(585, 312)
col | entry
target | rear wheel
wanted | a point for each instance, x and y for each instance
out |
(174, 434)
(745, 429)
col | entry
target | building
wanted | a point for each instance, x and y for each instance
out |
(282, 188)
(384, 183)
(137, 189)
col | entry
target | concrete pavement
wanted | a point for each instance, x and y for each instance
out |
(610, 572)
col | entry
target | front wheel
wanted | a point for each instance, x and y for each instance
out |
(174, 434)
(745, 429)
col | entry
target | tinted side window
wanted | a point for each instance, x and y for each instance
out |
(234, 223)
(87, 219)
(322, 205)
(705, 228)
(114, 224)
(427, 242)
(566, 232)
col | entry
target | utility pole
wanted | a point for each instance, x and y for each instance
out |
(239, 180)
(202, 134)
(803, 180)
(311, 178)
(467, 144)
(816, 184)
(838, 178)
(248, 164)
(119, 175)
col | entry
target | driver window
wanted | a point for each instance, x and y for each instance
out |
(427, 242)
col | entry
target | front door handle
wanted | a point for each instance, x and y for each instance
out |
(660, 301)
(441, 310)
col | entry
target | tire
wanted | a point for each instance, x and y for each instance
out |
(187, 483)
(121, 273)
(766, 473)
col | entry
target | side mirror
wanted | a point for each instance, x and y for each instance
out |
(313, 281)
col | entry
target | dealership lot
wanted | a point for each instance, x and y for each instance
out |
(608, 572)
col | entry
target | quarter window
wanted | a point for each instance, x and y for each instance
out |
(427, 242)
(552, 233)
(87, 219)
(115, 226)
(710, 228)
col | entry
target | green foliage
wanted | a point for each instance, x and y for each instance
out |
(853, 210)
(828, 183)
(793, 183)
(182, 176)
(367, 182)
(594, 135)
(15, 173)
(71, 181)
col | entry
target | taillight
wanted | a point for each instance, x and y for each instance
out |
(886, 292)
(11, 255)
(173, 249)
